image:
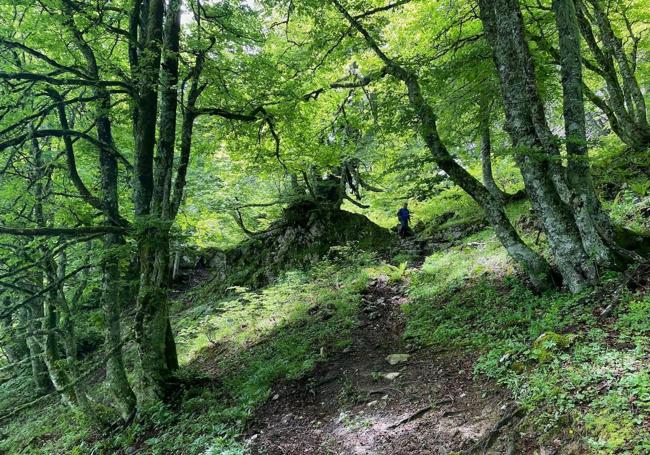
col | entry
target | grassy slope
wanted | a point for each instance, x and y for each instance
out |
(581, 375)
(232, 351)
(587, 379)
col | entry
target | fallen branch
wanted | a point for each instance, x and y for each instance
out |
(383, 391)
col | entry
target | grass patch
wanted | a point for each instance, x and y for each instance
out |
(232, 352)
(577, 372)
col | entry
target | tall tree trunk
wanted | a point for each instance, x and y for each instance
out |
(118, 383)
(146, 105)
(486, 150)
(155, 339)
(49, 322)
(590, 218)
(116, 378)
(152, 315)
(536, 156)
(112, 289)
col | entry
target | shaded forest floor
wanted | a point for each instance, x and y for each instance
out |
(474, 344)
(301, 366)
(422, 402)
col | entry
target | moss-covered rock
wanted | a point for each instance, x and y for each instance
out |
(301, 238)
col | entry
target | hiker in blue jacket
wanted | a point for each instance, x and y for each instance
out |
(404, 216)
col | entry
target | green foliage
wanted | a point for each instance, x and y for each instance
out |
(564, 364)
(551, 350)
(635, 319)
(253, 339)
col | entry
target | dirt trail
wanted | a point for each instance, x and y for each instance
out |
(349, 406)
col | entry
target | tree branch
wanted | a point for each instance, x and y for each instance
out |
(18, 140)
(25, 76)
(61, 232)
(381, 9)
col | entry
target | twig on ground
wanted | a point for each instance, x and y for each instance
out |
(385, 390)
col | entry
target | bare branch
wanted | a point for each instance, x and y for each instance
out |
(381, 9)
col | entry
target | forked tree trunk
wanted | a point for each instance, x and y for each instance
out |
(536, 156)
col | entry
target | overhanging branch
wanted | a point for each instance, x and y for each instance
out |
(61, 232)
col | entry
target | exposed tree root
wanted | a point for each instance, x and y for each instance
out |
(411, 417)
(484, 443)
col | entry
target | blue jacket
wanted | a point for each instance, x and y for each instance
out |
(403, 215)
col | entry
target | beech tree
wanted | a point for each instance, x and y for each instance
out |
(105, 104)
(148, 81)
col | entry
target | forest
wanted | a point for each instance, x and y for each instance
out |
(349, 227)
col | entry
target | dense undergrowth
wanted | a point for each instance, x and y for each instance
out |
(232, 351)
(577, 363)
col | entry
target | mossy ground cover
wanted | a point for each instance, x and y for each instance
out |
(582, 375)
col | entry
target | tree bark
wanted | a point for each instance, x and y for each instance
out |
(536, 154)
(34, 315)
(146, 105)
(68, 334)
(590, 218)
(156, 347)
(152, 316)
(486, 151)
(117, 381)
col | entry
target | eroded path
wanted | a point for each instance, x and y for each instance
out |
(358, 403)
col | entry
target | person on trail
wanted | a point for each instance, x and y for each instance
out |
(404, 216)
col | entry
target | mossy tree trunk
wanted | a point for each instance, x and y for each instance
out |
(537, 153)
(154, 208)
(112, 289)
(34, 316)
(590, 217)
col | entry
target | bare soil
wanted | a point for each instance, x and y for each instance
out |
(348, 406)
